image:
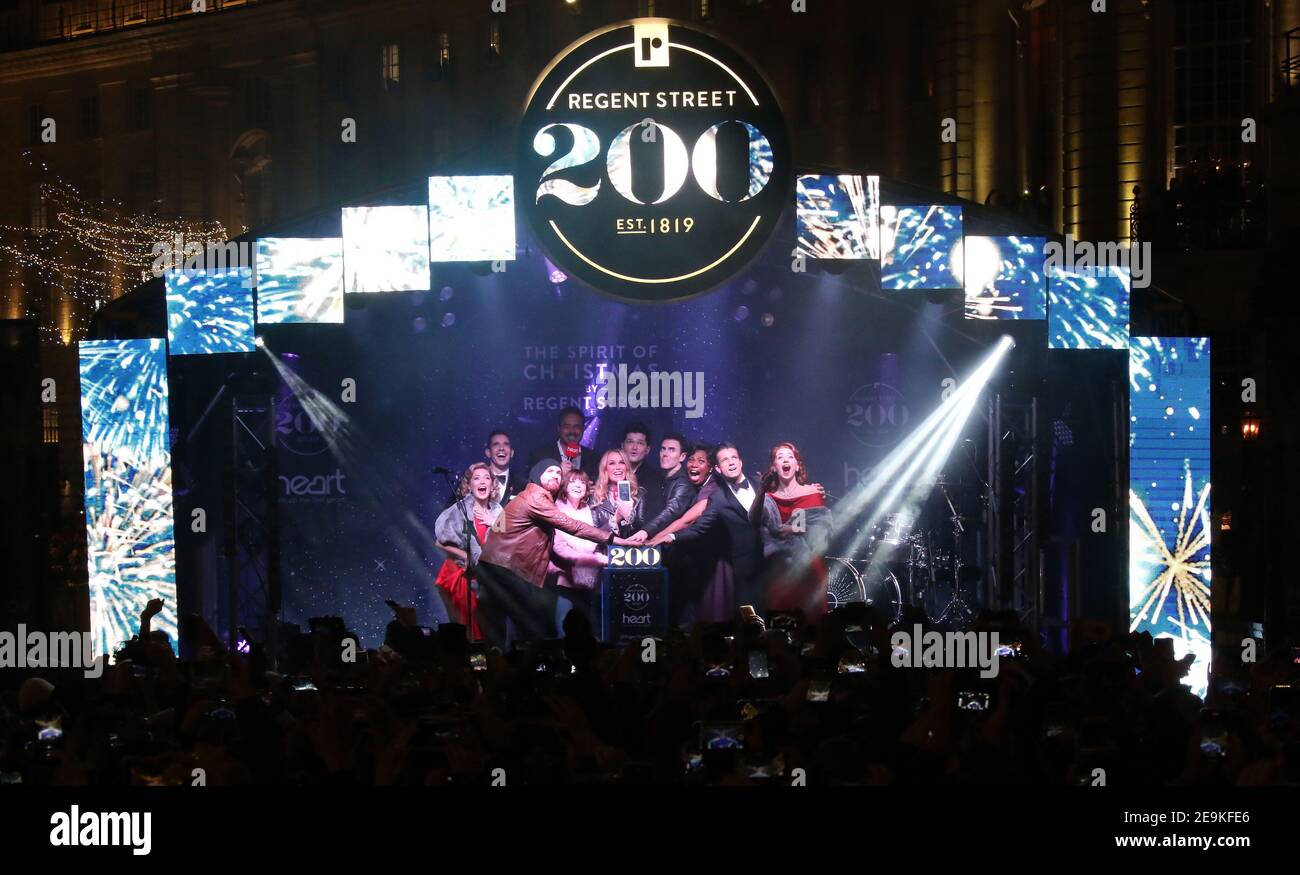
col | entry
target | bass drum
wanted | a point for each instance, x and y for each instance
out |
(884, 594)
(843, 583)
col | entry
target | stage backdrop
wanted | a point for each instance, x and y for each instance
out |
(414, 380)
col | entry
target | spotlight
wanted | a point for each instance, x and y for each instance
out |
(916, 461)
(259, 342)
(554, 275)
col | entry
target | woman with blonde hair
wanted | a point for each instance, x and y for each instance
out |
(478, 499)
(624, 518)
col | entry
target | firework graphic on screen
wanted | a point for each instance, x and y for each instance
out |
(471, 218)
(386, 249)
(838, 216)
(209, 311)
(130, 546)
(917, 244)
(1004, 277)
(299, 279)
(1088, 309)
(1169, 495)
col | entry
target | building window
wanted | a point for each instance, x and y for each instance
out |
(390, 67)
(83, 16)
(141, 109)
(258, 98)
(444, 51)
(867, 63)
(1213, 71)
(494, 39)
(35, 122)
(810, 85)
(142, 199)
(90, 116)
(136, 10)
(647, 8)
(36, 209)
(50, 423)
(703, 9)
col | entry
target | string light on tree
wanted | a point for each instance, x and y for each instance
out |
(89, 252)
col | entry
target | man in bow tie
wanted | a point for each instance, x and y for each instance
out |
(735, 512)
(500, 453)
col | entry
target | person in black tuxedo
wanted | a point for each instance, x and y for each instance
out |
(500, 453)
(568, 430)
(734, 512)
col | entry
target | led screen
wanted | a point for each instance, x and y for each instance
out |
(299, 279)
(209, 311)
(386, 249)
(1004, 277)
(471, 218)
(1169, 495)
(917, 246)
(126, 462)
(838, 216)
(1088, 309)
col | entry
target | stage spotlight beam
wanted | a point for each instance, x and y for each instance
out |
(923, 451)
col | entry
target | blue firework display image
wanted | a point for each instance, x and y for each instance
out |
(917, 247)
(300, 279)
(838, 216)
(1169, 495)
(1004, 277)
(1088, 309)
(209, 311)
(126, 462)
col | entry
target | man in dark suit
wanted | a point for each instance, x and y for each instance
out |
(568, 429)
(735, 511)
(500, 453)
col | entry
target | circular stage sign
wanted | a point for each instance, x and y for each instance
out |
(653, 160)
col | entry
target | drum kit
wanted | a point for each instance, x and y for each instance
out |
(906, 563)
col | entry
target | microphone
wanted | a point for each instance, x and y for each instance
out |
(572, 451)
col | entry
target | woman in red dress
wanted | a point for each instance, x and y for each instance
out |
(796, 529)
(477, 500)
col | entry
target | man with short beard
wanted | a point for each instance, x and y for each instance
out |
(512, 569)
(568, 433)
